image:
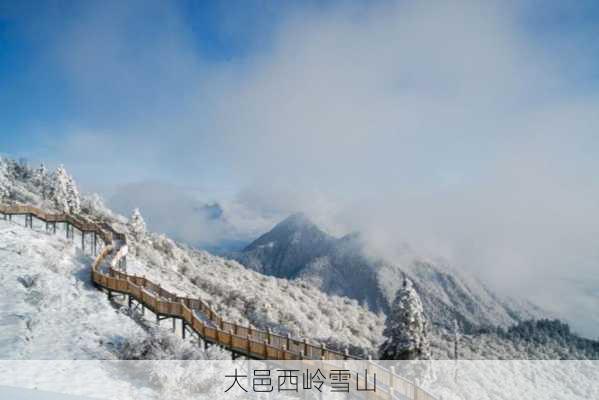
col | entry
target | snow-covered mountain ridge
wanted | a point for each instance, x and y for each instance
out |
(297, 249)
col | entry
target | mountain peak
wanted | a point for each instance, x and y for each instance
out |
(291, 229)
(288, 247)
(296, 220)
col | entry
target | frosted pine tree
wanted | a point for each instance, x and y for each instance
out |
(73, 197)
(64, 193)
(137, 225)
(406, 327)
(4, 181)
(40, 178)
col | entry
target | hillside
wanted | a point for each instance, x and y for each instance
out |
(297, 249)
(49, 308)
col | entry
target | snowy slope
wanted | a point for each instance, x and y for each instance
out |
(48, 306)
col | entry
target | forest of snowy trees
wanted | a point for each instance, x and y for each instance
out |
(58, 189)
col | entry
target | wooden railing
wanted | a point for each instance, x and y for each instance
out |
(245, 340)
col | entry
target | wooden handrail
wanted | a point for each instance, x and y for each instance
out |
(245, 340)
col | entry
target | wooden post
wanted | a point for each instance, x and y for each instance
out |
(183, 325)
(268, 335)
(54, 227)
(305, 346)
(265, 349)
(174, 326)
(288, 341)
(130, 302)
(83, 242)
(323, 350)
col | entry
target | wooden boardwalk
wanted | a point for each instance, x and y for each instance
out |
(240, 340)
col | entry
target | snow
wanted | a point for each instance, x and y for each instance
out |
(49, 308)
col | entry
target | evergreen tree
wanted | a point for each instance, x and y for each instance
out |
(73, 198)
(406, 327)
(137, 225)
(40, 178)
(4, 181)
(59, 189)
(64, 192)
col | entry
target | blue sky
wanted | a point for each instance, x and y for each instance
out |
(469, 130)
(37, 93)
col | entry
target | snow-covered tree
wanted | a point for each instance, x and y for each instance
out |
(64, 192)
(73, 197)
(4, 181)
(40, 179)
(406, 327)
(137, 225)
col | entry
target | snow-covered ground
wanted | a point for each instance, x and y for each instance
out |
(49, 308)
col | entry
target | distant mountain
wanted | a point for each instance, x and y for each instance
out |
(285, 251)
(298, 249)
